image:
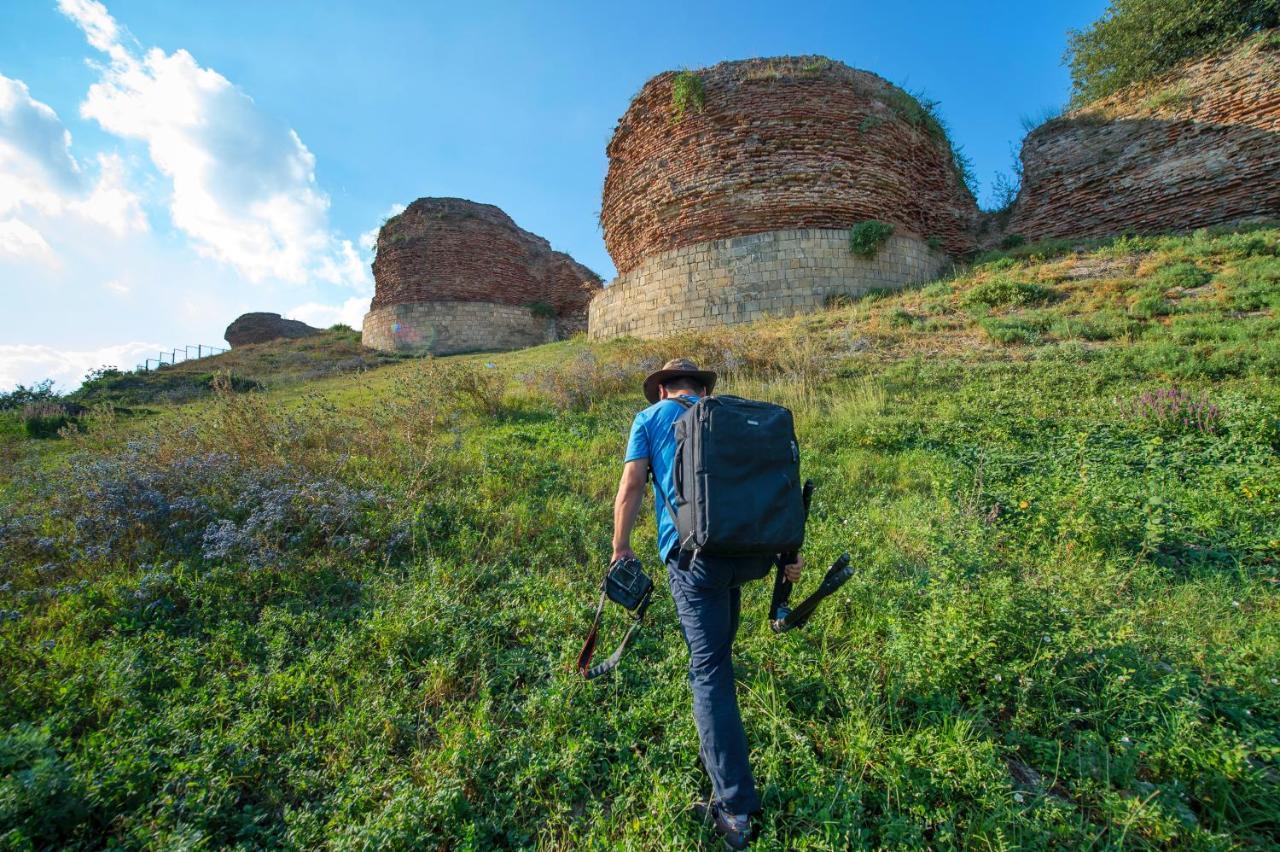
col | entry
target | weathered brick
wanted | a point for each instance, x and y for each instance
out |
(798, 143)
(444, 252)
(1199, 146)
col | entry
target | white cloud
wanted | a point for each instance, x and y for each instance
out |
(36, 166)
(40, 179)
(244, 188)
(27, 364)
(351, 312)
(98, 25)
(118, 287)
(111, 203)
(20, 240)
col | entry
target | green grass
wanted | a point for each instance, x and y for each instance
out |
(278, 362)
(866, 238)
(1063, 629)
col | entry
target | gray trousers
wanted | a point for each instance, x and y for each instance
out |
(708, 600)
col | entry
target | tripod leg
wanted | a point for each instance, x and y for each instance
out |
(837, 575)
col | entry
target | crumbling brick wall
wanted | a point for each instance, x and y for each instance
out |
(792, 142)
(451, 249)
(1197, 147)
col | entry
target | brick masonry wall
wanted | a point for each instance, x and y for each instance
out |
(745, 278)
(791, 142)
(451, 249)
(1197, 147)
(450, 327)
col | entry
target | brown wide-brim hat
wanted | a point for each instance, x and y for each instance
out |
(677, 368)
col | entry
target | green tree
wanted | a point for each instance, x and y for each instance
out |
(1137, 39)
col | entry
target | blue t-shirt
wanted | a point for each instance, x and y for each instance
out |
(653, 437)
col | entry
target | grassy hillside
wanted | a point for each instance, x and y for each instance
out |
(342, 612)
(255, 365)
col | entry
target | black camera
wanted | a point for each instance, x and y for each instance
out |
(626, 584)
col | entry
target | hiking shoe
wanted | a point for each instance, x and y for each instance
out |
(734, 829)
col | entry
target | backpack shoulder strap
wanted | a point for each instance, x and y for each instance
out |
(685, 403)
(662, 496)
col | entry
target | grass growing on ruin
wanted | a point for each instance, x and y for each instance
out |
(342, 612)
(867, 237)
(687, 95)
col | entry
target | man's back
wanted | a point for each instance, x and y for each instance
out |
(653, 438)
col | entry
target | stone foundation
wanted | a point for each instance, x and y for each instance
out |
(741, 279)
(447, 327)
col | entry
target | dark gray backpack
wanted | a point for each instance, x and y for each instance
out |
(736, 478)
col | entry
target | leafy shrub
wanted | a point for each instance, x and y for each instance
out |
(21, 395)
(167, 385)
(480, 388)
(1186, 275)
(1251, 419)
(44, 420)
(1138, 39)
(576, 386)
(1103, 325)
(1150, 305)
(1010, 331)
(41, 803)
(1006, 292)
(1012, 241)
(867, 237)
(1252, 284)
(899, 318)
(1173, 410)
(541, 310)
(686, 94)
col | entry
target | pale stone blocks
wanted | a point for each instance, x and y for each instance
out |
(744, 278)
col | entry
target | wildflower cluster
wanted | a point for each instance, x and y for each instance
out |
(1173, 410)
(144, 504)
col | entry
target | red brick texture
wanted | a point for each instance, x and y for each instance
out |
(792, 142)
(451, 249)
(1194, 148)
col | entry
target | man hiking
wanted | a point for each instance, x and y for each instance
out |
(706, 590)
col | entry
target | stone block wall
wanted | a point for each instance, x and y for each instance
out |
(745, 278)
(451, 327)
(1196, 147)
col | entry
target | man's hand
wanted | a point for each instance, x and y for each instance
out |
(622, 553)
(792, 571)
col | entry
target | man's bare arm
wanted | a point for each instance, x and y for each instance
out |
(627, 505)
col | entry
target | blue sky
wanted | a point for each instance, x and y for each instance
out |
(166, 166)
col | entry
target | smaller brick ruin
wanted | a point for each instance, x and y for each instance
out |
(1196, 147)
(452, 275)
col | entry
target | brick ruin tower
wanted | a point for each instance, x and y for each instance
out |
(1197, 146)
(453, 276)
(731, 191)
